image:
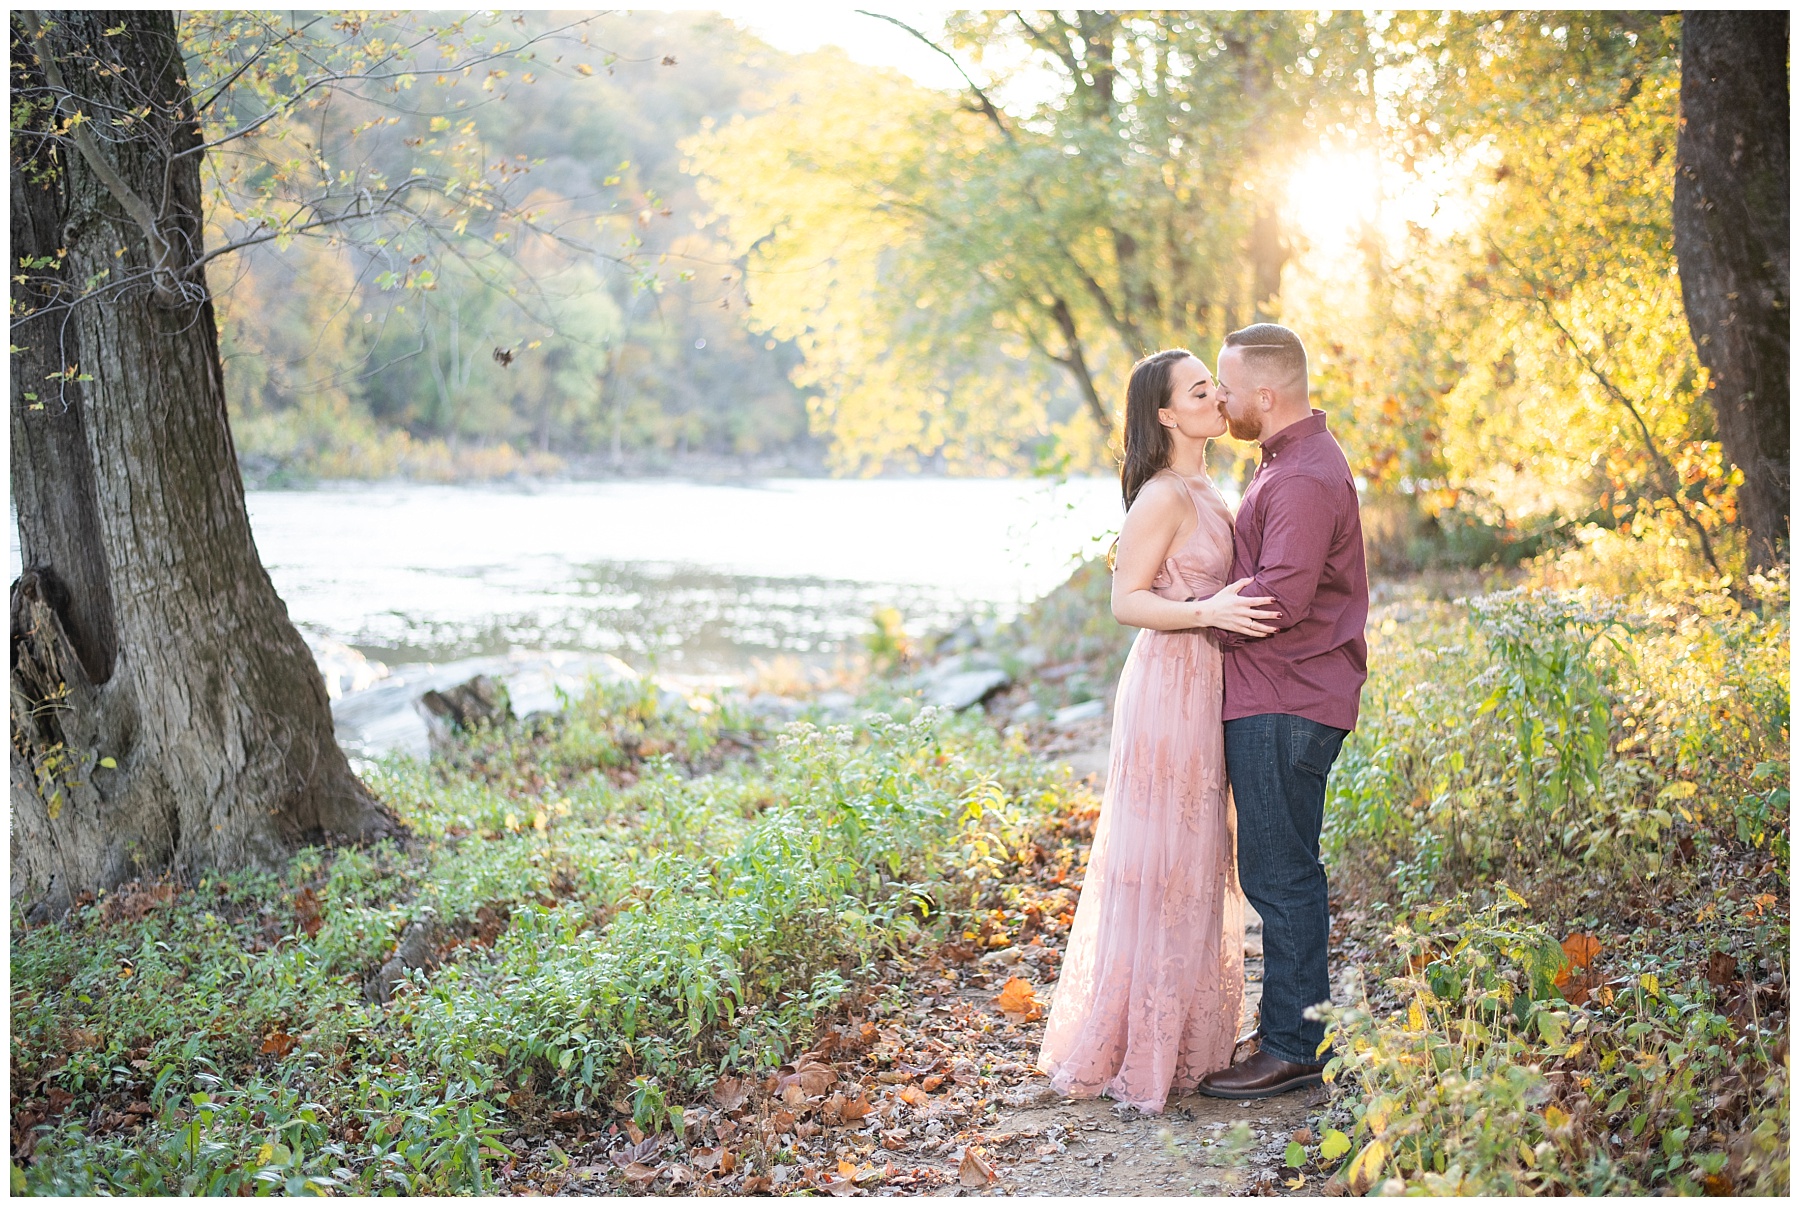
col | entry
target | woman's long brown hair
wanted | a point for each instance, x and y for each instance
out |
(1146, 440)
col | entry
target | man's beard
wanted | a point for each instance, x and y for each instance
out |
(1243, 429)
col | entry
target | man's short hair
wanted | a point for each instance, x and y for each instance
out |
(1271, 351)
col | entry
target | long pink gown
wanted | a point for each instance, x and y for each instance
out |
(1153, 982)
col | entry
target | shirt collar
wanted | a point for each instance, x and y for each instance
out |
(1312, 425)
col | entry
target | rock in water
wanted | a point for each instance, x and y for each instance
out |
(346, 670)
(965, 688)
(390, 716)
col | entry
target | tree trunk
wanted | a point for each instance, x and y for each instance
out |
(145, 631)
(1269, 252)
(1731, 244)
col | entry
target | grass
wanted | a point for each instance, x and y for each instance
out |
(622, 906)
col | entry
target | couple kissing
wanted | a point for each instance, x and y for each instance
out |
(1239, 691)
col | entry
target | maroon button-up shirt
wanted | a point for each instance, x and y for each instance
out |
(1299, 536)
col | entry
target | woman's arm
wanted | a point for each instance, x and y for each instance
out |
(1145, 542)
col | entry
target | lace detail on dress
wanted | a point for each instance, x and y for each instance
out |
(1152, 982)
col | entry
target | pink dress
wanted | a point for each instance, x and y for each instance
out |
(1153, 978)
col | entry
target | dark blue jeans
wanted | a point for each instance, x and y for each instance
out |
(1277, 764)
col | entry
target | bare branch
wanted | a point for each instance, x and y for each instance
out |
(1046, 43)
(1665, 472)
(987, 106)
(333, 78)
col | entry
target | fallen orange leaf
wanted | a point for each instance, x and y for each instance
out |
(729, 1093)
(974, 1171)
(279, 1043)
(811, 1075)
(1018, 997)
(309, 911)
(1581, 949)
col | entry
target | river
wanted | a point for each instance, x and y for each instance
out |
(688, 577)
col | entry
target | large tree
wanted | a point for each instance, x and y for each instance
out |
(1731, 241)
(166, 715)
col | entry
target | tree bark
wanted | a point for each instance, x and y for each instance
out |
(146, 632)
(1731, 245)
(1269, 252)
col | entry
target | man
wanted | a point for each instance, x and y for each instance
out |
(1291, 697)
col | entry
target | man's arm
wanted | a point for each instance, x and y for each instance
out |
(1299, 519)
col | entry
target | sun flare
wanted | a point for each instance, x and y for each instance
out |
(1332, 195)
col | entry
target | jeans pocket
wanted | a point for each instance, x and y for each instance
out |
(1315, 748)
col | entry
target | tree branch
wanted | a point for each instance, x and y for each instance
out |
(987, 106)
(1076, 362)
(1671, 481)
(161, 253)
(1121, 323)
(1046, 43)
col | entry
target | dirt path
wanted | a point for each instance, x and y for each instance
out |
(1042, 1144)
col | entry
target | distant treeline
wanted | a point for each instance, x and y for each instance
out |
(617, 338)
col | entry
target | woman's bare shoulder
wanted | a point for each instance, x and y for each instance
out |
(1162, 497)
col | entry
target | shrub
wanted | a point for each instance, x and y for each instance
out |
(1530, 732)
(1487, 1081)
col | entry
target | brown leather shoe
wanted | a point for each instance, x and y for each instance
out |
(1260, 1075)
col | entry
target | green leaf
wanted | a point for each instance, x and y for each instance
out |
(1550, 1026)
(109, 762)
(1296, 1156)
(1334, 1145)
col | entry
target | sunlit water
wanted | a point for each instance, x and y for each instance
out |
(685, 576)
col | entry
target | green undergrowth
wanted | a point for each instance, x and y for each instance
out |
(1613, 752)
(1489, 1080)
(1528, 734)
(622, 904)
(1565, 814)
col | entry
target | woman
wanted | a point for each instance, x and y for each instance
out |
(1152, 984)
